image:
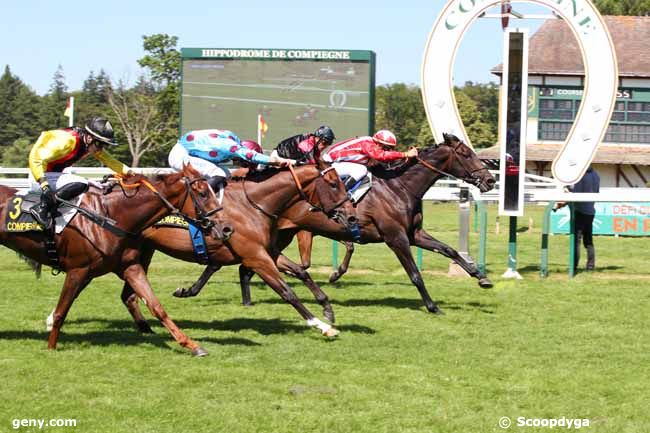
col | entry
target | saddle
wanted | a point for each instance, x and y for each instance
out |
(360, 189)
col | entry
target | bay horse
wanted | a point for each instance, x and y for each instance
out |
(86, 250)
(391, 212)
(251, 206)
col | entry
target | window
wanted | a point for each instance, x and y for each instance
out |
(630, 121)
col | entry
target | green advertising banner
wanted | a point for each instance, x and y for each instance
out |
(625, 219)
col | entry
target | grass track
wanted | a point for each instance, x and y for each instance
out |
(540, 349)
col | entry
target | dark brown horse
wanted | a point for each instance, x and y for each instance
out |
(86, 250)
(251, 207)
(391, 212)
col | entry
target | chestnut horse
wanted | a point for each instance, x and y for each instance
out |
(391, 212)
(251, 206)
(86, 250)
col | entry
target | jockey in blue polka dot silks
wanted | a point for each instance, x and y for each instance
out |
(205, 149)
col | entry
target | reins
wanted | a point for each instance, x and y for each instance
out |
(202, 219)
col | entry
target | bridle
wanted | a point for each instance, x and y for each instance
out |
(202, 219)
(475, 180)
(301, 192)
(303, 195)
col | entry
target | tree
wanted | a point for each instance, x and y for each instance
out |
(18, 111)
(53, 104)
(17, 155)
(138, 114)
(623, 7)
(163, 62)
(400, 109)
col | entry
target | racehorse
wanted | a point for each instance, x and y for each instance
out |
(251, 206)
(86, 250)
(391, 212)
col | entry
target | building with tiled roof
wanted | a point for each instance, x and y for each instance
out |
(555, 81)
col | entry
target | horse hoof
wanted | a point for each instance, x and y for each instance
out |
(334, 277)
(332, 333)
(247, 304)
(199, 352)
(144, 327)
(182, 293)
(435, 310)
(485, 283)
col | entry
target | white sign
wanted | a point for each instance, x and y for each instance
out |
(601, 77)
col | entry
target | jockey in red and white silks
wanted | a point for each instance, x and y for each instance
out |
(350, 158)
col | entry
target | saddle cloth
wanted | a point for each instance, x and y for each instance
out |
(20, 220)
(196, 235)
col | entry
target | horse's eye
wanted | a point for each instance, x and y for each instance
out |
(203, 194)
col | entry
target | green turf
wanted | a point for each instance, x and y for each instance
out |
(538, 349)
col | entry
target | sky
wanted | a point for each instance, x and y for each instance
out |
(82, 36)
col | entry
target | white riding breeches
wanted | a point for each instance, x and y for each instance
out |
(56, 180)
(179, 156)
(356, 171)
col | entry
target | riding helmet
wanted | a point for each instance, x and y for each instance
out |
(101, 129)
(325, 133)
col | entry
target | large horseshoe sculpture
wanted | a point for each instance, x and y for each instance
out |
(601, 77)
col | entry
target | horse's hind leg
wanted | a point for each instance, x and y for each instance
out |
(424, 240)
(131, 300)
(402, 249)
(305, 242)
(263, 265)
(343, 267)
(288, 267)
(136, 277)
(199, 284)
(75, 281)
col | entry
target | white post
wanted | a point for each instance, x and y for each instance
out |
(259, 129)
(71, 118)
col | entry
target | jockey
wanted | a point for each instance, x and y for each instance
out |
(206, 148)
(350, 158)
(57, 149)
(254, 146)
(305, 147)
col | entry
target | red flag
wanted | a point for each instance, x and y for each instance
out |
(262, 126)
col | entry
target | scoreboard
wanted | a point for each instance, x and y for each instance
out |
(295, 90)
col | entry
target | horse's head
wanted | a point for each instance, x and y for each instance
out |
(455, 158)
(202, 210)
(329, 195)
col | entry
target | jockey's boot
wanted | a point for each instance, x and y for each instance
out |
(71, 190)
(216, 182)
(42, 214)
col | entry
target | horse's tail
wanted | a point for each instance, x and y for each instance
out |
(36, 266)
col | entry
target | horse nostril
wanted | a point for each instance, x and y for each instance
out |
(491, 181)
(352, 220)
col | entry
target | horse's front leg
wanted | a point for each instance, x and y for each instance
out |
(134, 275)
(424, 240)
(264, 266)
(402, 249)
(75, 281)
(295, 270)
(343, 267)
(305, 243)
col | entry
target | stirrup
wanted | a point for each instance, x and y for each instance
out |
(45, 223)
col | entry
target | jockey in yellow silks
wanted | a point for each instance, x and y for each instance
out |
(57, 149)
